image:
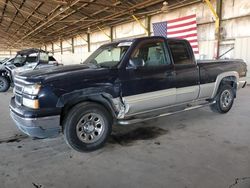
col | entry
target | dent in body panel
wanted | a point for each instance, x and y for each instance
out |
(220, 78)
(121, 107)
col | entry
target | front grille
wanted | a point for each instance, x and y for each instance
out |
(18, 99)
(18, 89)
(18, 94)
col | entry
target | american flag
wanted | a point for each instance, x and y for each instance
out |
(184, 28)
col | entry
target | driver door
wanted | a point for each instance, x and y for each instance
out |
(149, 80)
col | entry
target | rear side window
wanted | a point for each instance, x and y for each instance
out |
(31, 59)
(151, 53)
(180, 53)
(51, 58)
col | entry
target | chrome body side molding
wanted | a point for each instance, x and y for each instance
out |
(137, 120)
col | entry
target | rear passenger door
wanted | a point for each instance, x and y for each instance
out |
(186, 70)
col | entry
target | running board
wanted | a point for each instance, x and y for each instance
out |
(138, 120)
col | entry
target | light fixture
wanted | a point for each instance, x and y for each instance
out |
(89, 30)
(165, 7)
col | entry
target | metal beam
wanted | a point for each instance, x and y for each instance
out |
(218, 35)
(148, 20)
(23, 11)
(103, 32)
(88, 39)
(210, 6)
(64, 17)
(4, 9)
(106, 5)
(61, 46)
(27, 19)
(111, 33)
(46, 22)
(53, 49)
(16, 14)
(72, 45)
(217, 25)
(141, 24)
(116, 15)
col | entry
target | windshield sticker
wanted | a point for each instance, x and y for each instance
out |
(124, 44)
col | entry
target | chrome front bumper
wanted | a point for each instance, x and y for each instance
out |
(45, 127)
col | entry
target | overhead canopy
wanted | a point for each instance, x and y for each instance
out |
(30, 51)
(35, 22)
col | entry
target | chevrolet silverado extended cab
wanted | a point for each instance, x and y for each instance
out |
(122, 83)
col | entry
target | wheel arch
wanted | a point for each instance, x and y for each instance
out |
(231, 77)
(71, 100)
(3, 73)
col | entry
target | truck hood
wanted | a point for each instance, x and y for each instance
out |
(56, 73)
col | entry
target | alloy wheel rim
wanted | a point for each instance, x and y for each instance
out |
(90, 128)
(226, 98)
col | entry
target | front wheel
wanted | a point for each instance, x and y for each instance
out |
(224, 99)
(87, 126)
(4, 84)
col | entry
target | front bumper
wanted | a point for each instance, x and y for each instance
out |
(242, 83)
(40, 127)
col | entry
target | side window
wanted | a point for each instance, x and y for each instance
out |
(44, 57)
(150, 54)
(31, 59)
(51, 58)
(180, 53)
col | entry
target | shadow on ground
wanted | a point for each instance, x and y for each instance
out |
(141, 133)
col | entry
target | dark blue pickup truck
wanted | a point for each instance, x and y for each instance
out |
(122, 83)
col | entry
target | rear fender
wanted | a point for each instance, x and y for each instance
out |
(231, 76)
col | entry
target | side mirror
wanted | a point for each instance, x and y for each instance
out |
(43, 58)
(136, 62)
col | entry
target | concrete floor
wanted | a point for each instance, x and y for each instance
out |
(194, 149)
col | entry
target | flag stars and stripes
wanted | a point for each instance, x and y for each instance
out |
(184, 28)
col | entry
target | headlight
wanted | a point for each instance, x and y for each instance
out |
(34, 104)
(32, 89)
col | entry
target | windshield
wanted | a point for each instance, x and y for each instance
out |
(25, 59)
(108, 56)
(19, 59)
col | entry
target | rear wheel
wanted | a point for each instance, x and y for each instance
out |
(87, 127)
(224, 99)
(4, 84)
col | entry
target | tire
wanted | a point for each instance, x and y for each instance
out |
(87, 127)
(224, 99)
(4, 84)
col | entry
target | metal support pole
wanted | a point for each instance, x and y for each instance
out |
(61, 47)
(52, 45)
(88, 40)
(111, 34)
(73, 45)
(218, 35)
(149, 25)
(217, 23)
